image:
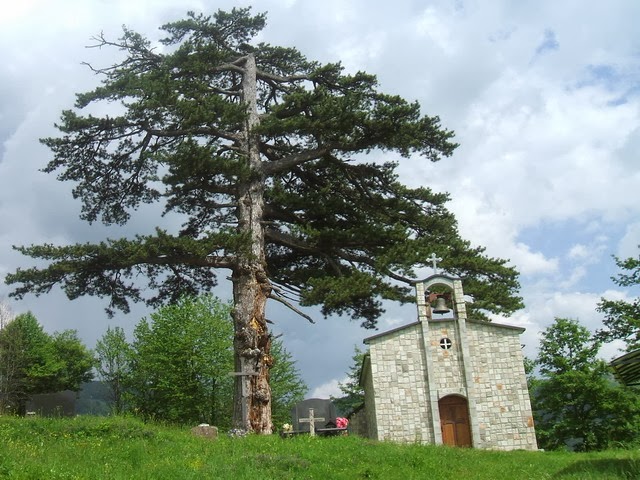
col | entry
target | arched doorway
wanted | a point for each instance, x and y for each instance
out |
(454, 421)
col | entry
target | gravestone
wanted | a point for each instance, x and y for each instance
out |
(324, 412)
(311, 420)
(205, 430)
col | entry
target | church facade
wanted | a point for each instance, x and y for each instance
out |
(451, 381)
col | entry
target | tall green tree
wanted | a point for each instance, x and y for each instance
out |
(287, 385)
(576, 402)
(353, 393)
(27, 361)
(32, 362)
(113, 357)
(259, 149)
(566, 346)
(622, 318)
(181, 360)
(7, 363)
(76, 361)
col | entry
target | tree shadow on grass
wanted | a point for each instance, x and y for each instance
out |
(623, 468)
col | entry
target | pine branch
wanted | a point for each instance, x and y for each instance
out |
(291, 307)
(287, 163)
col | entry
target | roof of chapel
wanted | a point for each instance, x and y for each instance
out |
(444, 320)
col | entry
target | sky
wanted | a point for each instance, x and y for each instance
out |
(544, 98)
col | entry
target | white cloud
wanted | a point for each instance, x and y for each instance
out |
(575, 275)
(545, 305)
(629, 244)
(356, 51)
(579, 251)
(16, 11)
(328, 389)
(393, 322)
(617, 295)
(545, 153)
(530, 338)
(612, 350)
(436, 29)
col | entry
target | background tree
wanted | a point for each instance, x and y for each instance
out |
(32, 362)
(566, 346)
(287, 385)
(6, 360)
(621, 318)
(181, 361)
(576, 403)
(353, 393)
(27, 361)
(75, 361)
(530, 372)
(113, 357)
(257, 148)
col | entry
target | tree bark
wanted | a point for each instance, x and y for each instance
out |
(251, 286)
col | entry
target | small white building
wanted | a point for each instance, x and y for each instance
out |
(450, 381)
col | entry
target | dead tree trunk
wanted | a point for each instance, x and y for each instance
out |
(251, 287)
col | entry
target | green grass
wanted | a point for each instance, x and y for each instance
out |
(125, 448)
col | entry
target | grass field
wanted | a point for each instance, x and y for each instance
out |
(125, 448)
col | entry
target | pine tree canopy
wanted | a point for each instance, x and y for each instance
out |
(339, 231)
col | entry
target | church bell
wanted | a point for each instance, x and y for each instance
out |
(441, 306)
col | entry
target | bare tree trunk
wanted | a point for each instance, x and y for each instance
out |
(252, 395)
(251, 287)
(6, 315)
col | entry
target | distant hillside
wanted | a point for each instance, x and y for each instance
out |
(92, 399)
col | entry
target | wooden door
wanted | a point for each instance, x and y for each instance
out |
(454, 421)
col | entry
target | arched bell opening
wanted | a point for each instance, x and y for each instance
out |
(439, 298)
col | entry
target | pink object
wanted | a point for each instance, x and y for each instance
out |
(342, 422)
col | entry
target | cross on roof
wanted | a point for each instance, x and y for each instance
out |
(434, 262)
(311, 421)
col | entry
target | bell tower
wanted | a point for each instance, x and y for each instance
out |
(437, 296)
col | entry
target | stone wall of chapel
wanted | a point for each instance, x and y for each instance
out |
(502, 397)
(447, 363)
(398, 377)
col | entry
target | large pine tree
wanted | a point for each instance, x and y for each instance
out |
(258, 148)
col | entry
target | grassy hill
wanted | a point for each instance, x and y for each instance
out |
(124, 448)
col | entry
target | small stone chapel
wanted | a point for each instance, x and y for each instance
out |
(447, 379)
